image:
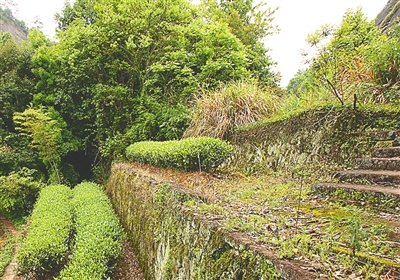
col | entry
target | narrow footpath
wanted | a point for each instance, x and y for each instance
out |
(10, 272)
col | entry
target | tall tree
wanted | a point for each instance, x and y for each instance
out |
(81, 9)
(45, 129)
(16, 78)
(252, 24)
(340, 66)
(133, 72)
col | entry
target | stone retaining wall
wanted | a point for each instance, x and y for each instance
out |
(174, 243)
(334, 137)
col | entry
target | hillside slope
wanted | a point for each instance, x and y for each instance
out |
(389, 15)
(8, 23)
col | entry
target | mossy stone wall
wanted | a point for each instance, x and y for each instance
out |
(173, 243)
(324, 136)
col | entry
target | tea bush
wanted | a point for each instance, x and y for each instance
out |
(201, 153)
(98, 234)
(45, 247)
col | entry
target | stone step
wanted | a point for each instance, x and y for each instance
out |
(386, 152)
(382, 177)
(381, 193)
(377, 163)
(383, 135)
(396, 142)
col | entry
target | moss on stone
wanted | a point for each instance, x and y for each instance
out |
(173, 244)
(326, 136)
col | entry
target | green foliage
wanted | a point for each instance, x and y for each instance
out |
(98, 235)
(6, 252)
(252, 24)
(18, 192)
(155, 121)
(383, 63)
(37, 39)
(45, 128)
(202, 153)
(118, 76)
(352, 229)
(5, 36)
(15, 153)
(45, 247)
(16, 79)
(158, 122)
(355, 64)
(218, 113)
(357, 235)
(339, 65)
(81, 9)
(44, 131)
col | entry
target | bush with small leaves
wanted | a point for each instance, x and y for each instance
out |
(18, 192)
(98, 236)
(46, 245)
(201, 153)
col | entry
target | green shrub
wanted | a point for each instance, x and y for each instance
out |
(18, 192)
(98, 234)
(202, 153)
(6, 252)
(45, 247)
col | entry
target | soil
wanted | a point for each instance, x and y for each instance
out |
(10, 272)
(128, 267)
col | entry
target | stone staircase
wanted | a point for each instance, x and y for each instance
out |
(378, 176)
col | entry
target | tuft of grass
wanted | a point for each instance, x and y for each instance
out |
(218, 113)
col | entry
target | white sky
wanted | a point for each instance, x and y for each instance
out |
(295, 18)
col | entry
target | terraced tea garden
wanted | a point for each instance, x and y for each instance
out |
(72, 234)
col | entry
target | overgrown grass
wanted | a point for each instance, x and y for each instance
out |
(7, 244)
(218, 113)
(283, 214)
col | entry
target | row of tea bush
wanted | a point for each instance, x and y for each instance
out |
(191, 154)
(75, 229)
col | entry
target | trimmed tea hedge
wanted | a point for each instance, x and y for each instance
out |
(98, 234)
(45, 247)
(201, 153)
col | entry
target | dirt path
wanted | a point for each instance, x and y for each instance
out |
(128, 267)
(10, 272)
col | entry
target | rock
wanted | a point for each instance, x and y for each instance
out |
(389, 15)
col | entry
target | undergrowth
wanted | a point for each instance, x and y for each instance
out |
(7, 243)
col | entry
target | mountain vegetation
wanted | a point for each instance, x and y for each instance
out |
(171, 69)
(125, 75)
(8, 23)
(356, 64)
(116, 77)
